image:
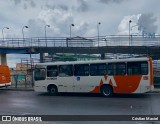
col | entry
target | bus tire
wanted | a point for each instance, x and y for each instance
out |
(106, 91)
(52, 90)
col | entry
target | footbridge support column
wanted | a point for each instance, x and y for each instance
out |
(42, 55)
(102, 56)
(3, 59)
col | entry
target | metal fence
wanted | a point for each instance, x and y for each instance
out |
(110, 40)
(22, 81)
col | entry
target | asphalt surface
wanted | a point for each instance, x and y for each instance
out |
(31, 103)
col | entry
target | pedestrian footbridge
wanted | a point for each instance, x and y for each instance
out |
(144, 46)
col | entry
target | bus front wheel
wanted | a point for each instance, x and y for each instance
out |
(106, 91)
(52, 90)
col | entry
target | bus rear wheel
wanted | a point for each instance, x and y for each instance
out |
(52, 90)
(106, 91)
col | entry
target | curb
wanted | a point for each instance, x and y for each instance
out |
(18, 89)
(156, 90)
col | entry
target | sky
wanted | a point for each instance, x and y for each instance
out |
(114, 16)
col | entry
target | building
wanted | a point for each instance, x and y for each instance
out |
(79, 42)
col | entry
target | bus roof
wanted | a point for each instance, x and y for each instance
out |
(96, 61)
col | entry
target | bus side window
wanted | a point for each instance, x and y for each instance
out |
(99, 69)
(121, 69)
(110, 69)
(129, 71)
(65, 70)
(42, 72)
(52, 71)
(144, 68)
(81, 70)
(137, 68)
(133, 68)
(116, 69)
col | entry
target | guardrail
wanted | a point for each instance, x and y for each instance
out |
(112, 40)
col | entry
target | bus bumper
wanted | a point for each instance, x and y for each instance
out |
(40, 88)
(5, 85)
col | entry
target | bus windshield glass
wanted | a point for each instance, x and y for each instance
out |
(40, 74)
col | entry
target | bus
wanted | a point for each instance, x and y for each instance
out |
(5, 78)
(119, 76)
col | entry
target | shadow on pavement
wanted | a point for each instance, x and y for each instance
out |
(145, 95)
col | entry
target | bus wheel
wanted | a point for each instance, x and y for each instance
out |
(52, 90)
(107, 91)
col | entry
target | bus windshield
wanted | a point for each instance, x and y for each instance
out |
(40, 74)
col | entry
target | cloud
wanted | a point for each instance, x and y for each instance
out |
(49, 6)
(111, 1)
(91, 32)
(82, 6)
(35, 28)
(17, 2)
(140, 23)
(59, 6)
(59, 21)
(144, 22)
(123, 28)
(25, 4)
(81, 29)
(64, 7)
(32, 3)
(12, 59)
(147, 22)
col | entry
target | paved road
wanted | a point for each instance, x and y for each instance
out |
(31, 103)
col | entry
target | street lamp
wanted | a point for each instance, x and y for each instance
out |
(132, 33)
(3, 33)
(46, 34)
(23, 32)
(129, 31)
(70, 29)
(98, 31)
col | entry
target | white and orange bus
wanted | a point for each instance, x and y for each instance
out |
(5, 78)
(126, 76)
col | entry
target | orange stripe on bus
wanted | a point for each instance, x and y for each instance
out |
(151, 72)
(97, 88)
(125, 84)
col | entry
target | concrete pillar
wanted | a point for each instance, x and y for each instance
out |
(42, 57)
(3, 59)
(102, 56)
